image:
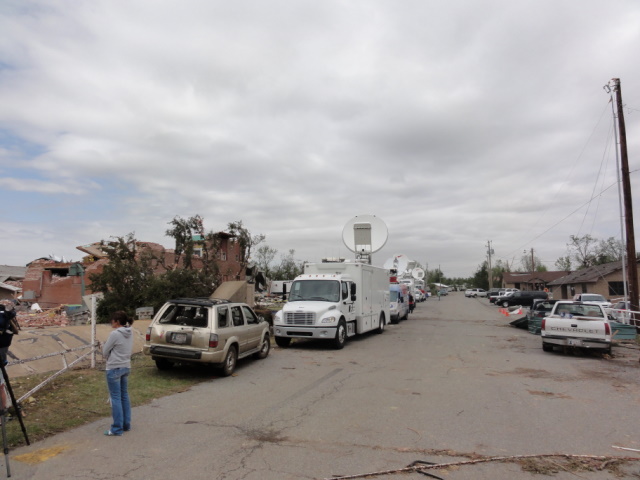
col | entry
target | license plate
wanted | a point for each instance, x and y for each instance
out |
(179, 338)
(575, 343)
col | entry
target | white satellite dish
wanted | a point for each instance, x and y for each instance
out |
(417, 273)
(364, 235)
(399, 263)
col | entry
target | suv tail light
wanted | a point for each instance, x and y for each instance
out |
(213, 340)
(147, 337)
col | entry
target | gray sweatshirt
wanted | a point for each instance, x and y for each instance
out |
(118, 347)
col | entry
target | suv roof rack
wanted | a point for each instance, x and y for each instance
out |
(200, 301)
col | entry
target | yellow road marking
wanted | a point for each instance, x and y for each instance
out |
(41, 455)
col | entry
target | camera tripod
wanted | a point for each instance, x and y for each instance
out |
(3, 415)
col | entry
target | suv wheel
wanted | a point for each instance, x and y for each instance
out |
(264, 348)
(230, 361)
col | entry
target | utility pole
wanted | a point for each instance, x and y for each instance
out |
(489, 253)
(533, 263)
(632, 269)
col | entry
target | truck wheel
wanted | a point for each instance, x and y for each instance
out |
(283, 342)
(547, 347)
(230, 361)
(264, 348)
(505, 304)
(380, 328)
(341, 336)
(163, 364)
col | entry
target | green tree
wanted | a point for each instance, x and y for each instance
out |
(289, 268)
(124, 279)
(481, 277)
(263, 258)
(247, 242)
(609, 250)
(564, 263)
(582, 250)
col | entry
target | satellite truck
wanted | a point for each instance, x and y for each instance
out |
(334, 300)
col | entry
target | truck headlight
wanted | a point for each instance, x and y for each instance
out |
(329, 320)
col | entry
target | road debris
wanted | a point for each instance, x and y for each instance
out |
(572, 463)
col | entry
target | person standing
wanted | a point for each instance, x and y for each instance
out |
(117, 351)
(7, 330)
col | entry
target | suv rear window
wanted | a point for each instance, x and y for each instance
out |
(187, 315)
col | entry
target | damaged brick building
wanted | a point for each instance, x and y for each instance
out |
(52, 283)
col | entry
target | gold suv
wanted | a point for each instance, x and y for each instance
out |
(194, 330)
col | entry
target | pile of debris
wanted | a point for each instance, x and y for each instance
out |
(53, 317)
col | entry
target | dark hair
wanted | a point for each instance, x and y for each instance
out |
(122, 318)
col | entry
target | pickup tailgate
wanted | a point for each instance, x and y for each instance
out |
(577, 327)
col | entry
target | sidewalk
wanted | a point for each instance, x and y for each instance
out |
(35, 342)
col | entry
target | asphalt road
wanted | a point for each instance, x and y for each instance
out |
(452, 383)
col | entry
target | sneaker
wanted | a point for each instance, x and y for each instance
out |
(109, 433)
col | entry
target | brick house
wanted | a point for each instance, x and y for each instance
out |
(52, 283)
(606, 280)
(11, 281)
(530, 280)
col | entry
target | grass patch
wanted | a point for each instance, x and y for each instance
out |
(80, 396)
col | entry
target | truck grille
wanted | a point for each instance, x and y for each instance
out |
(300, 318)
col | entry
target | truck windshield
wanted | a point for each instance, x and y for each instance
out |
(593, 298)
(316, 290)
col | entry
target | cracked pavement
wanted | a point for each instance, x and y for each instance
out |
(452, 382)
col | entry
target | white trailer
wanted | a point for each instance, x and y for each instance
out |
(333, 301)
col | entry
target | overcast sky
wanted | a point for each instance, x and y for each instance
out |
(454, 122)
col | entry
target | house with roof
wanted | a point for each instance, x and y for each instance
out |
(51, 282)
(11, 281)
(530, 280)
(606, 280)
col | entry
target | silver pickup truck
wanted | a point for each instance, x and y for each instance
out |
(576, 324)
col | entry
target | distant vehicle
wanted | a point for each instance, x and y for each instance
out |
(193, 330)
(444, 292)
(475, 292)
(398, 302)
(592, 298)
(493, 294)
(620, 311)
(539, 310)
(524, 298)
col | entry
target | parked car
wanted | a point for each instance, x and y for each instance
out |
(398, 302)
(493, 294)
(619, 311)
(444, 292)
(540, 309)
(524, 298)
(592, 298)
(475, 292)
(218, 332)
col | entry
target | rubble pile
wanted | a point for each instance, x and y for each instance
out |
(53, 317)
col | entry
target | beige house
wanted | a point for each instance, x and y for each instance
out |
(606, 280)
(530, 280)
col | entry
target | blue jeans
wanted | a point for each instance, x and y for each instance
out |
(118, 383)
